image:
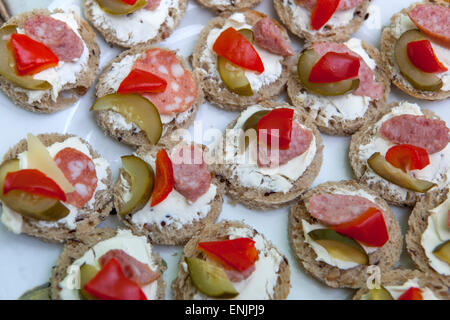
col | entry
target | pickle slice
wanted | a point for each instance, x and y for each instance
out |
(392, 174)
(234, 77)
(420, 80)
(136, 109)
(210, 279)
(339, 246)
(41, 292)
(117, 7)
(252, 123)
(443, 251)
(87, 273)
(248, 34)
(306, 62)
(8, 64)
(142, 181)
(380, 294)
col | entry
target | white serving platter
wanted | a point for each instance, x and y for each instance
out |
(26, 262)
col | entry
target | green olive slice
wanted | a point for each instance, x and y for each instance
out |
(420, 80)
(234, 77)
(306, 62)
(142, 181)
(41, 292)
(136, 109)
(87, 273)
(380, 294)
(117, 7)
(443, 251)
(395, 175)
(8, 64)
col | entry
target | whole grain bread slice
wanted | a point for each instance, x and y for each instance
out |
(70, 92)
(75, 248)
(87, 218)
(233, 5)
(385, 257)
(388, 41)
(214, 88)
(184, 289)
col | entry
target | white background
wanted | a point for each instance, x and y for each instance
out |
(26, 262)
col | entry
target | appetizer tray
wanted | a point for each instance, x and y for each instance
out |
(26, 262)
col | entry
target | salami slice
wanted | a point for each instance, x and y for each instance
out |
(133, 269)
(368, 87)
(433, 20)
(334, 209)
(419, 131)
(56, 35)
(238, 276)
(343, 4)
(269, 37)
(152, 4)
(191, 172)
(181, 91)
(79, 169)
(300, 141)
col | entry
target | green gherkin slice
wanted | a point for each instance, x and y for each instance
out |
(87, 273)
(117, 7)
(41, 292)
(443, 251)
(380, 294)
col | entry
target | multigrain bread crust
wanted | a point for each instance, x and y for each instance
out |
(418, 223)
(338, 125)
(388, 41)
(258, 199)
(139, 138)
(214, 88)
(360, 166)
(286, 15)
(75, 248)
(232, 6)
(165, 30)
(385, 257)
(70, 92)
(398, 277)
(87, 220)
(168, 234)
(184, 289)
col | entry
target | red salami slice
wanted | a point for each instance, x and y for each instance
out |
(152, 4)
(238, 276)
(433, 20)
(181, 91)
(269, 37)
(343, 4)
(448, 218)
(419, 131)
(334, 209)
(300, 141)
(133, 269)
(56, 35)
(191, 172)
(79, 169)
(368, 87)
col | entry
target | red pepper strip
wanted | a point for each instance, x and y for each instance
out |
(110, 283)
(35, 182)
(140, 81)
(130, 2)
(369, 228)
(234, 47)
(423, 57)
(323, 11)
(31, 56)
(277, 124)
(411, 294)
(333, 67)
(164, 179)
(406, 156)
(239, 254)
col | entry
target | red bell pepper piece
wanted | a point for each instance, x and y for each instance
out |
(140, 81)
(30, 55)
(277, 124)
(406, 156)
(238, 254)
(35, 182)
(130, 2)
(369, 228)
(411, 294)
(110, 283)
(234, 47)
(164, 179)
(333, 67)
(423, 57)
(322, 12)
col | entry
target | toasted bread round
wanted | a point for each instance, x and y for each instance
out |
(75, 248)
(87, 218)
(385, 257)
(229, 5)
(388, 41)
(338, 125)
(214, 88)
(184, 289)
(70, 92)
